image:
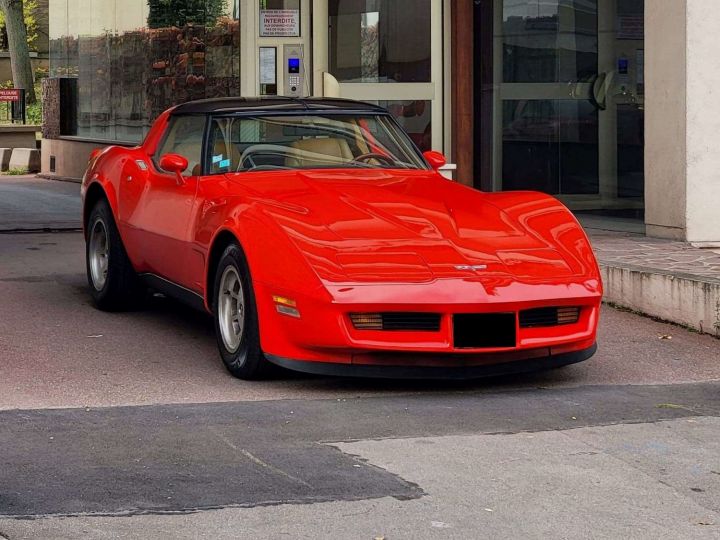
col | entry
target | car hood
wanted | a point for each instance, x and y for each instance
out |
(388, 226)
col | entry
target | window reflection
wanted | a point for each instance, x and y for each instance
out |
(549, 40)
(630, 150)
(550, 146)
(549, 132)
(380, 40)
(135, 58)
(415, 117)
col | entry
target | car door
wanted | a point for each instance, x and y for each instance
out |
(161, 219)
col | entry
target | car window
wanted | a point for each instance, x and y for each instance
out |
(185, 137)
(255, 143)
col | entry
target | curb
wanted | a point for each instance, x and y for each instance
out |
(687, 300)
(57, 178)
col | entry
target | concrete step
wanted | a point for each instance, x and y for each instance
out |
(672, 281)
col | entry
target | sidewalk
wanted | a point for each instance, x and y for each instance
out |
(661, 278)
(29, 203)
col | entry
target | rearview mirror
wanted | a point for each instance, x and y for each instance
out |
(435, 159)
(174, 163)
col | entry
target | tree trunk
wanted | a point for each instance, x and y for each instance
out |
(18, 47)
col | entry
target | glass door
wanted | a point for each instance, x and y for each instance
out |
(568, 100)
(388, 52)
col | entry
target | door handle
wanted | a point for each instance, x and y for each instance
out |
(602, 88)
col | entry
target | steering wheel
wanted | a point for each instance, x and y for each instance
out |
(364, 158)
(248, 158)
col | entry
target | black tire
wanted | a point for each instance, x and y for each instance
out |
(246, 360)
(121, 289)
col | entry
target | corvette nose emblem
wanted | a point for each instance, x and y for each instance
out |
(473, 268)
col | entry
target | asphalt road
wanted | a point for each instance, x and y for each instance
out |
(61, 352)
(127, 426)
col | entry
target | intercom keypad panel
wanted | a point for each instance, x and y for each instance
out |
(294, 70)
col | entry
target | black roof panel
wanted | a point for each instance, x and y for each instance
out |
(273, 104)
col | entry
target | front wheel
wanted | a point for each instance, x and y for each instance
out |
(236, 319)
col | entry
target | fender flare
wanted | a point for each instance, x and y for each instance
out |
(107, 190)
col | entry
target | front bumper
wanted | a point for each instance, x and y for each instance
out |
(454, 368)
(324, 333)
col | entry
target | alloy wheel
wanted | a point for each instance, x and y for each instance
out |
(99, 252)
(231, 309)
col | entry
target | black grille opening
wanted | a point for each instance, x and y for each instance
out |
(551, 316)
(397, 321)
(428, 322)
(484, 330)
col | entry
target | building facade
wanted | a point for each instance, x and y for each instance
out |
(549, 95)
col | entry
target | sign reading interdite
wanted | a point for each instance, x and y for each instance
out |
(10, 95)
(279, 23)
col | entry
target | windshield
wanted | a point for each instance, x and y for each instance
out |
(262, 143)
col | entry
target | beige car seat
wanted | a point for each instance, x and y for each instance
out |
(319, 152)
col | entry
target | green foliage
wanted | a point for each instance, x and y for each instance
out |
(20, 171)
(29, 12)
(167, 13)
(33, 112)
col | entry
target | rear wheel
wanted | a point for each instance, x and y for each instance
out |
(236, 319)
(113, 283)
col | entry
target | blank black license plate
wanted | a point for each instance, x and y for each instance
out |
(484, 330)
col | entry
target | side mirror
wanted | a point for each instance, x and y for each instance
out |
(435, 159)
(174, 163)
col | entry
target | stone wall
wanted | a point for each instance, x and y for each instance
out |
(51, 108)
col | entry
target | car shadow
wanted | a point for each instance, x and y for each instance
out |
(192, 322)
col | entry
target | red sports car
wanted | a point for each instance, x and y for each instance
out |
(321, 240)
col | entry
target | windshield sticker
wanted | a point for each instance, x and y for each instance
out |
(217, 159)
(225, 164)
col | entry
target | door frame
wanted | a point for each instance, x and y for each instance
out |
(432, 91)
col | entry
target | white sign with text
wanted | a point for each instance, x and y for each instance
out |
(279, 23)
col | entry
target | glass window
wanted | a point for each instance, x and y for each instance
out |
(380, 40)
(630, 151)
(415, 117)
(185, 137)
(549, 40)
(262, 143)
(550, 146)
(136, 58)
